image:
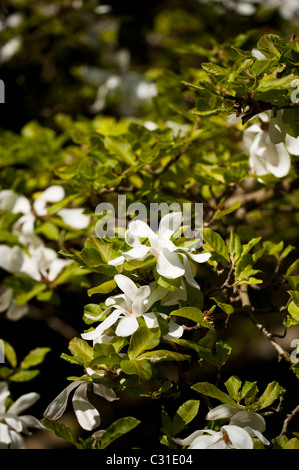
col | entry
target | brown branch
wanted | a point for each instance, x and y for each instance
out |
(286, 422)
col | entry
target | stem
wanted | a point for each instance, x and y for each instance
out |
(286, 422)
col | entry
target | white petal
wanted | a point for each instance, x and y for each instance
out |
(5, 299)
(87, 415)
(4, 393)
(175, 330)
(150, 320)
(99, 330)
(138, 302)
(22, 204)
(138, 228)
(126, 285)
(7, 200)
(188, 273)
(17, 441)
(126, 326)
(117, 261)
(249, 418)
(138, 252)
(15, 311)
(30, 267)
(24, 402)
(54, 193)
(258, 54)
(188, 440)
(58, 405)
(208, 442)
(222, 412)
(292, 144)
(169, 265)
(200, 258)
(5, 438)
(13, 423)
(169, 224)
(56, 267)
(74, 218)
(239, 438)
(11, 259)
(258, 434)
(105, 392)
(29, 421)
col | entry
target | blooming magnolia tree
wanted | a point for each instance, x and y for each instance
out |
(193, 319)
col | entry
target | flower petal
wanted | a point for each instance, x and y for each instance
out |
(4, 393)
(15, 311)
(126, 326)
(105, 392)
(169, 224)
(169, 265)
(258, 434)
(140, 229)
(5, 299)
(5, 438)
(188, 273)
(249, 418)
(292, 144)
(138, 252)
(58, 405)
(74, 218)
(99, 330)
(150, 320)
(126, 285)
(23, 402)
(175, 330)
(11, 259)
(87, 415)
(239, 438)
(222, 411)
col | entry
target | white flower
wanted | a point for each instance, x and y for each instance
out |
(43, 262)
(72, 217)
(229, 437)
(267, 153)
(253, 422)
(11, 424)
(172, 261)
(11, 259)
(127, 307)
(13, 310)
(87, 415)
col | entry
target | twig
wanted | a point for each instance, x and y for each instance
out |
(286, 422)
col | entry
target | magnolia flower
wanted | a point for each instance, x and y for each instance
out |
(127, 307)
(11, 424)
(7, 303)
(267, 152)
(71, 217)
(43, 262)
(253, 422)
(172, 261)
(87, 415)
(228, 437)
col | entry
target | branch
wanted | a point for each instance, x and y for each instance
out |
(286, 422)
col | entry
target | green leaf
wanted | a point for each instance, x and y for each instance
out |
(164, 355)
(191, 313)
(117, 429)
(9, 352)
(227, 308)
(121, 148)
(143, 339)
(215, 241)
(233, 385)
(293, 310)
(61, 430)
(34, 357)
(103, 288)
(212, 391)
(142, 368)
(271, 393)
(184, 415)
(235, 246)
(249, 391)
(81, 348)
(24, 375)
(223, 351)
(295, 297)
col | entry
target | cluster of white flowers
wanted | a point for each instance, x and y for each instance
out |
(243, 426)
(35, 259)
(12, 425)
(172, 262)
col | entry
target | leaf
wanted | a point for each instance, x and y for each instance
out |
(295, 296)
(223, 351)
(212, 391)
(142, 339)
(117, 429)
(227, 308)
(271, 393)
(121, 148)
(233, 385)
(103, 288)
(61, 430)
(293, 310)
(191, 313)
(81, 348)
(235, 246)
(163, 355)
(203, 352)
(34, 357)
(24, 375)
(215, 241)
(184, 415)
(142, 368)
(9, 352)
